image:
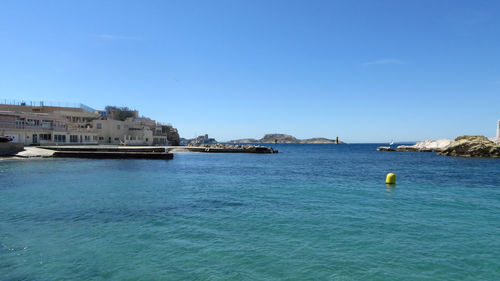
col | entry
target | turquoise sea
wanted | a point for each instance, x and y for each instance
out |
(312, 212)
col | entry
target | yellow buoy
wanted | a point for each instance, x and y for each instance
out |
(390, 178)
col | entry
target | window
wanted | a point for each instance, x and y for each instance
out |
(19, 122)
(101, 138)
(60, 124)
(117, 139)
(94, 138)
(99, 125)
(87, 138)
(73, 138)
(60, 138)
(46, 124)
(33, 122)
(118, 127)
(45, 137)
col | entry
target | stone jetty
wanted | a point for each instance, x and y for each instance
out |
(108, 148)
(229, 148)
(97, 152)
(114, 155)
(111, 152)
(136, 152)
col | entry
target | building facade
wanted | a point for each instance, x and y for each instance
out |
(39, 124)
(126, 132)
(45, 126)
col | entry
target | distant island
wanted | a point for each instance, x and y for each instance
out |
(204, 139)
(283, 138)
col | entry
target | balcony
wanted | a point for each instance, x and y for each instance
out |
(82, 130)
(159, 134)
(23, 126)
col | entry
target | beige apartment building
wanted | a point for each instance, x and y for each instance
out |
(39, 124)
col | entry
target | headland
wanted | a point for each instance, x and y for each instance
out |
(462, 146)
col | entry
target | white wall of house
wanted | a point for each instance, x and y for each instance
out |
(38, 137)
(126, 132)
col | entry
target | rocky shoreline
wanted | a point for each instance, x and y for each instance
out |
(462, 146)
(472, 146)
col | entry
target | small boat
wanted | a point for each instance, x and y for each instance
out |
(6, 139)
(392, 142)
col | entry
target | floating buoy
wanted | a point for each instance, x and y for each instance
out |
(390, 178)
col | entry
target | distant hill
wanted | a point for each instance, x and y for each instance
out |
(245, 141)
(283, 138)
(199, 140)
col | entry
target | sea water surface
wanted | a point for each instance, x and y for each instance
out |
(312, 212)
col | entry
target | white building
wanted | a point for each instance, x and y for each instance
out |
(128, 132)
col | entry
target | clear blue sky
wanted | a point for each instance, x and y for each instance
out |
(365, 71)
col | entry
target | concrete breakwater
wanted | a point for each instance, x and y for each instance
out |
(111, 152)
(97, 152)
(135, 152)
(108, 148)
(229, 148)
(114, 155)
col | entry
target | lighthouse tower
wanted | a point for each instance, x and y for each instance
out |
(498, 130)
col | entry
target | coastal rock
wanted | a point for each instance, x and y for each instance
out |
(472, 146)
(495, 140)
(173, 137)
(385, 148)
(426, 146)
